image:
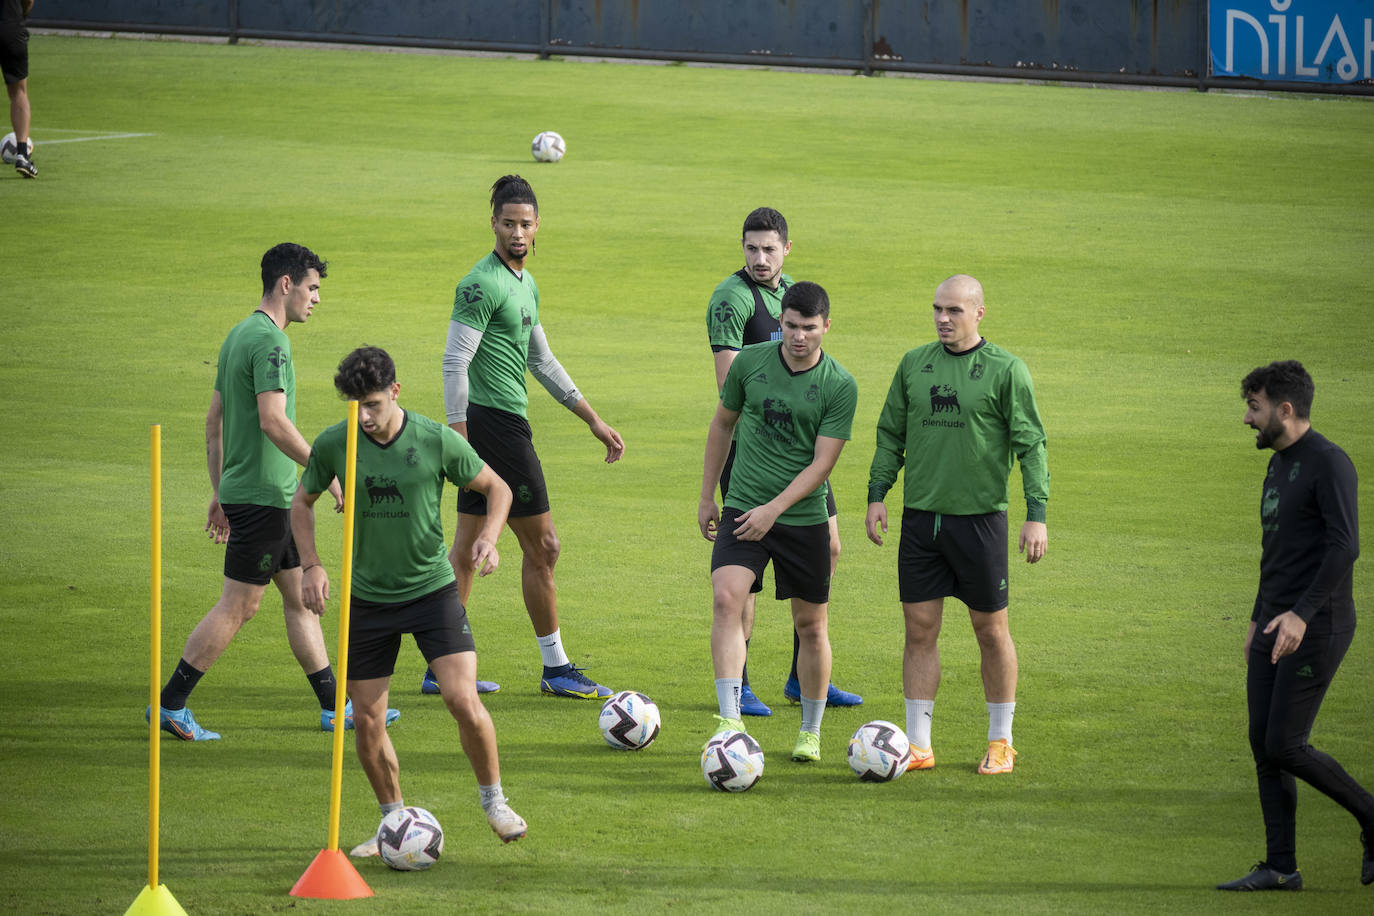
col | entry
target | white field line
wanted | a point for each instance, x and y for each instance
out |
(101, 137)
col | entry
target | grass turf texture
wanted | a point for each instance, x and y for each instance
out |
(1141, 251)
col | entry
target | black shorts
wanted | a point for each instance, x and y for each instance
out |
(437, 620)
(505, 442)
(800, 555)
(14, 51)
(830, 509)
(260, 543)
(960, 555)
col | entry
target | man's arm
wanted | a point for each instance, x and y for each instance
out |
(556, 381)
(718, 435)
(723, 359)
(757, 522)
(463, 341)
(1027, 436)
(889, 454)
(284, 435)
(314, 578)
(484, 557)
(216, 522)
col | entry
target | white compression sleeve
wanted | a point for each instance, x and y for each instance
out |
(458, 353)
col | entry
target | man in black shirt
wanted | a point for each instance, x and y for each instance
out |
(1304, 617)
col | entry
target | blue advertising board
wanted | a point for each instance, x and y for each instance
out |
(1311, 41)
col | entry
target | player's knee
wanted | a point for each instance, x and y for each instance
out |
(546, 550)
(835, 549)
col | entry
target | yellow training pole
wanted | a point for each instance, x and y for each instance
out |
(345, 596)
(331, 875)
(155, 899)
(155, 654)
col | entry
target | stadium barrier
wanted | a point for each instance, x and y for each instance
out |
(1297, 45)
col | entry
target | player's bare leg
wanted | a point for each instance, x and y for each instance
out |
(303, 632)
(375, 751)
(238, 603)
(457, 677)
(811, 622)
(999, 669)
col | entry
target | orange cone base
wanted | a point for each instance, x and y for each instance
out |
(155, 901)
(331, 877)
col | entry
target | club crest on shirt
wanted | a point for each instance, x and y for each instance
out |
(975, 371)
(412, 457)
(1293, 474)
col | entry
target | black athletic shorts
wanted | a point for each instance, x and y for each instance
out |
(437, 620)
(260, 543)
(505, 442)
(14, 51)
(830, 509)
(960, 555)
(800, 555)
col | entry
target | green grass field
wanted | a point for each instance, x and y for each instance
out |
(1141, 251)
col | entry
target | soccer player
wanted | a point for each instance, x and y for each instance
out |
(790, 408)
(1303, 620)
(959, 409)
(744, 309)
(494, 335)
(14, 62)
(403, 580)
(252, 448)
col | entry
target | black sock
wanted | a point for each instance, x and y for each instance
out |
(744, 674)
(796, 647)
(324, 685)
(180, 685)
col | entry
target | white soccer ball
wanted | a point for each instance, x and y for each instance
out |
(879, 751)
(629, 721)
(410, 839)
(547, 146)
(9, 148)
(732, 762)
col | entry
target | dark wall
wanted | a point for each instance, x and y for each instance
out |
(1132, 41)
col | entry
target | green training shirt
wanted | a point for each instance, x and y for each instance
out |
(254, 358)
(781, 415)
(733, 318)
(958, 421)
(505, 308)
(399, 551)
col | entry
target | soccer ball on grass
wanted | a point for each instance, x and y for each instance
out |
(547, 146)
(629, 721)
(410, 839)
(879, 751)
(732, 762)
(9, 148)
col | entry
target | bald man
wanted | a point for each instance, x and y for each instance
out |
(958, 411)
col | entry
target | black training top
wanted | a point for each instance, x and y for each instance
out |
(1311, 536)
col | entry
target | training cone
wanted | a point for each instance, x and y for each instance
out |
(155, 901)
(331, 877)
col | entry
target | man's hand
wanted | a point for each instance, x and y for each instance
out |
(708, 518)
(217, 523)
(485, 559)
(757, 522)
(1291, 629)
(615, 446)
(336, 491)
(876, 519)
(315, 588)
(1034, 541)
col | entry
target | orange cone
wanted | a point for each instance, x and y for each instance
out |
(331, 877)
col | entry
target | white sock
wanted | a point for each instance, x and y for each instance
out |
(999, 720)
(551, 650)
(390, 807)
(919, 715)
(727, 696)
(812, 711)
(491, 795)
